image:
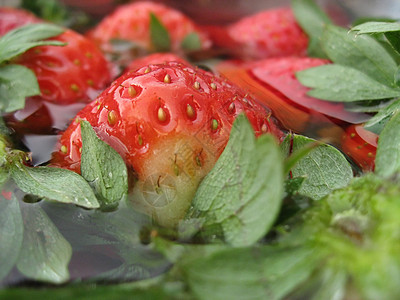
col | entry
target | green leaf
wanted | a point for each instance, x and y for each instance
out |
(394, 40)
(360, 52)
(3, 175)
(21, 39)
(332, 285)
(242, 194)
(376, 27)
(159, 34)
(299, 154)
(293, 185)
(387, 28)
(50, 10)
(50, 183)
(191, 42)
(141, 290)
(357, 227)
(103, 168)
(249, 273)
(16, 83)
(378, 121)
(387, 161)
(45, 253)
(11, 232)
(366, 19)
(325, 167)
(313, 21)
(57, 12)
(343, 84)
(5, 132)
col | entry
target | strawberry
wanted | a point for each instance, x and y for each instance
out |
(131, 22)
(155, 58)
(360, 145)
(76, 72)
(270, 33)
(69, 74)
(273, 82)
(170, 122)
(11, 18)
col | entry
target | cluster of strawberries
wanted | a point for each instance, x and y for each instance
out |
(162, 104)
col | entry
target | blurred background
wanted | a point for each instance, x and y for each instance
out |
(224, 11)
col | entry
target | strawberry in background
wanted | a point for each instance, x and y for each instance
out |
(71, 74)
(148, 27)
(273, 82)
(170, 122)
(270, 33)
(11, 18)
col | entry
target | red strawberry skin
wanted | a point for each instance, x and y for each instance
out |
(69, 74)
(11, 18)
(360, 145)
(270, 33)
(273, 82)
(170, 122)
(155, 58)
(76, 72)
(132, 22)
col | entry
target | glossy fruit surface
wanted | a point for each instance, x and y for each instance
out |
(170, 122)
(360, 145)
(69, 74)
(155, 58)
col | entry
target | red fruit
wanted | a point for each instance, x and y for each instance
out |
(11, 18)
(156, 58)
(270, 33)
(170, 122)
(273, 82)
(74, 73)
(77, 72)
(360, 145)
(131, 22)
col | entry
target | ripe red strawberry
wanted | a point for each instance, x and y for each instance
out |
(273, 82)
(270, 33)
(69, 74)
(73, 73)
(360, 145)
(155, 58)
(11, 18)
(131, 22)
(170, 122)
